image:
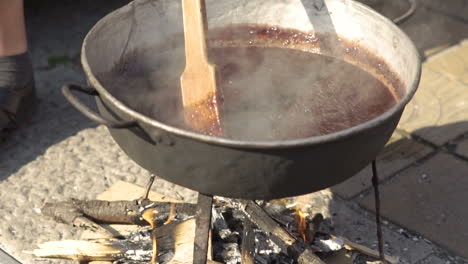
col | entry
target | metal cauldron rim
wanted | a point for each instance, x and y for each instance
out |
(252, 144)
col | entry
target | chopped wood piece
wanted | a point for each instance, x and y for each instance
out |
(349, 245)
(175, 241)
(86, 223)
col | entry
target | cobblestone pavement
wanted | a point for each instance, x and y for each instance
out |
(61, 154)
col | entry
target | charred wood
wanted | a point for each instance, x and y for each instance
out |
(248, 243)
(314, 226)
(288, 243)
(221, 228)
(202, 231)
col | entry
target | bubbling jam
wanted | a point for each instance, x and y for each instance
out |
(265, 93)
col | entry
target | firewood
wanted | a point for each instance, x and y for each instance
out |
(349, 245)
(124, 212)
(159, 213)
(248, 243)
(175, 240)
(288, 243)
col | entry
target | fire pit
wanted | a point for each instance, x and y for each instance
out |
(145, 37)
(280, 231)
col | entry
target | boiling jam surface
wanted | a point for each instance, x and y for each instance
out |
(265, 93)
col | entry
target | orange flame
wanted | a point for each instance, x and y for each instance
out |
(171, 214)
(301, 224)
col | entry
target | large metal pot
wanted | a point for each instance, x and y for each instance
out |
(232, 168)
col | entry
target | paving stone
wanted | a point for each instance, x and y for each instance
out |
(429, 28)
(390, 9)
(462, 148)
(399, 153)
(430, 199)
(433, 260)
(456, 9)
(439, 109)
(359, 226)
(452, 62)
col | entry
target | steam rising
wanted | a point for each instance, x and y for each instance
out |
(273, 93)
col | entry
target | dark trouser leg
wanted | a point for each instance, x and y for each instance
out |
(17, 94)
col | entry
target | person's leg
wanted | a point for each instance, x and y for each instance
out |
(12, 28)
(17, 95)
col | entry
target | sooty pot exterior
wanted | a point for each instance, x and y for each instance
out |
(251, 173)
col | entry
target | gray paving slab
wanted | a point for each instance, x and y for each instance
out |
(462, 148)
(432, 259)
(390, 9)
(432, 30)
(399, 153)
(359, 226)
(434, 26)
(456, 9)
(430, 199)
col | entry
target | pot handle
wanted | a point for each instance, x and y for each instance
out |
(410, 12)
(72, 99)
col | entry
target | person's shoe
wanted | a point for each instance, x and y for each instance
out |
(17, 93)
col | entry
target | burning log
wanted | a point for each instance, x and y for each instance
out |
(288, 243)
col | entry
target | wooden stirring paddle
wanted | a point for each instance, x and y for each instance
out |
(198, 81)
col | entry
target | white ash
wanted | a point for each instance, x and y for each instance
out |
(328, 245)
(231, 253)
(139, 255)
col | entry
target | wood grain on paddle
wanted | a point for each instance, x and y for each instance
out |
(198, 81)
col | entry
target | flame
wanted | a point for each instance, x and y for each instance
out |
(301, 224)
(171, 214)
(148, 217)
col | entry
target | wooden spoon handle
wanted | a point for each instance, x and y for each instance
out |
(195, 25)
